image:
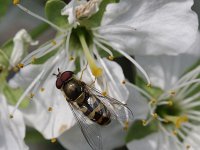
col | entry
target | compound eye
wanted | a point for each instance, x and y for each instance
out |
(59, 83)
(66, 75)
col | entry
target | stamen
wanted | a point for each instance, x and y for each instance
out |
(39, 17)
(184, 102)
(50, 109)
(20, 65)
(114, 26)
(32, 95)
(42, 89)
(15, 2)
(26, 92)
(131, 59)
(96, 71)
(153, 101)
(10, 116)
(110, 57)
(187, 84)
(126, 125)
(104, 93)
(123, 82)
(53, 140)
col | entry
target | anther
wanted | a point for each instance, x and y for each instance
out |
(155, 115)
(170, 103)
(149, 85)
(126, 125)
(174, 132)
(32, 95)
(104, 93)
(42, 89)
(153, 101)
(15, 69)
(172, 93)
(110, 57)
(50, 109)
(123, 82)
(53, 42)
(20, 65)
(33, 60)
(11, 116)
(71, 58)
(15, 2)
(144, 122)
(188, 147)
(53, 140)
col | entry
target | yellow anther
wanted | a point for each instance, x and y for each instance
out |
(174, 132)
(126, 125)
(71, 58)
(104, 93)
(50, 109)
(149, 85)
(42, 89)
(144, 122)
(153, 101)
(32, 95)
(20, 65)
(170, 103)
(53, 42)
(33, 60)
(155, 115)
(123, 82)
(97, 71)
(188, 147)
(53, 140)
(110, 57)
(11, 116)
(172, 93)
(15, 2)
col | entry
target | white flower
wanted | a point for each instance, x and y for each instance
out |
(20, 40)
(176, 108)
(12, 131)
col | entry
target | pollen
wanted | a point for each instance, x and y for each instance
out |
(110, 57)
(15, 2)
(53, 42)
(53, 140)
(50, 109)
(126, 125)
(11, 116)
(172, 93)
(20, 65)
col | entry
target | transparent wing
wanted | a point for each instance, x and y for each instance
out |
(119, 111)
(90, 130)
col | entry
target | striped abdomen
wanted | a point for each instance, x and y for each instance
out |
(94, 109)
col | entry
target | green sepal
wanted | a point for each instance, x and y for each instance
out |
(95, 20)
(53, 12)
(138, 131)
(13, 95)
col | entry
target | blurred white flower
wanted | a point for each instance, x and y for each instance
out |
(21, 40)
(12, 131)
(176, 108)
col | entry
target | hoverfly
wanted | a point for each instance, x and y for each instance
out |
(90, 108)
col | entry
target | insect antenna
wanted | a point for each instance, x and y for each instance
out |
(57, 75)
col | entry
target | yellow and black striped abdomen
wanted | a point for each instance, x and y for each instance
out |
(95, 110)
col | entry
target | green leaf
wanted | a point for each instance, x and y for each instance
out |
(4, 6)
(95, 20)
(53, 12)
(138, 131)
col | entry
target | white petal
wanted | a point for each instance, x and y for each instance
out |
(165, 70)
(112, 137)
(21, 38)
(164, 27)
(12, 131)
